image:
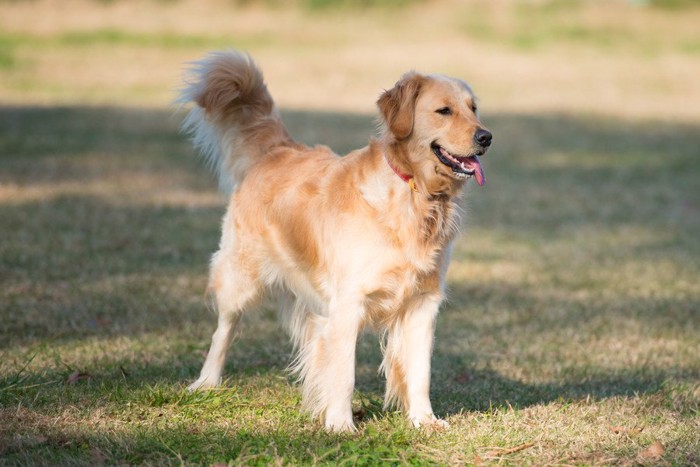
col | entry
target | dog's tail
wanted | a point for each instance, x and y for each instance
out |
(234, 121)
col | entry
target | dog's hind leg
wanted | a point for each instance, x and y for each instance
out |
(234, 287)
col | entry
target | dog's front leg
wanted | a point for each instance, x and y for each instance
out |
(335, 355)
(419, 330)
(407, 361)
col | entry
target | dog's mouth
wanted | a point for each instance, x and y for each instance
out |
(463, 167)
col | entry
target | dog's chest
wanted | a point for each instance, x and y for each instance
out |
(393, 290)
(415, 257)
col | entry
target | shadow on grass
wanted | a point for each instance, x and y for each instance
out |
(212, 444)
(484, 390)
(136, 396)
(215, 444)
(72, 260)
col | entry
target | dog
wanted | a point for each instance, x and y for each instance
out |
(350, 242)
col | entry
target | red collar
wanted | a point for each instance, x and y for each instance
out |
(405, 177)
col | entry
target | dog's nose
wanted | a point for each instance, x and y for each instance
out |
(483, 137)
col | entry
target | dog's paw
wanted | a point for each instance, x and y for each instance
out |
(201, 384)
(340, 426)
(431, 422)
(438, 424)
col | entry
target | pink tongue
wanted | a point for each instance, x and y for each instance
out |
(479, 172)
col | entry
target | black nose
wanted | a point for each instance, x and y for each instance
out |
(483, 137)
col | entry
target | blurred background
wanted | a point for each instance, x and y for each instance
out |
(637, 59)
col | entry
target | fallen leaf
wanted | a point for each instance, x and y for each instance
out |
(503, 451)
(621, 429)
(78, 376)
(98, 323)
(20, 288)
(463, 377)
(653, 452)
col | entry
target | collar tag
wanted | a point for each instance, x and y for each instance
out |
(405, 177)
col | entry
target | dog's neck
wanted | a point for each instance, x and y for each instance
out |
(435, 215)
(408, 178)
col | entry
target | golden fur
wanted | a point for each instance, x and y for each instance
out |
(345, 240)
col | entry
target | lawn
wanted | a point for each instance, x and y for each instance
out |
(572, 331)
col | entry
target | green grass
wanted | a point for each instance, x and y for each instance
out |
(571, 331)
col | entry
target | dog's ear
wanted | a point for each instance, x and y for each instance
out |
(398, 104)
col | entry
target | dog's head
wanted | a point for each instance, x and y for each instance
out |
(432, 122)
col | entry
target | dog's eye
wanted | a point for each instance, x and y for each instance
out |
(474, 108)
(444, 111)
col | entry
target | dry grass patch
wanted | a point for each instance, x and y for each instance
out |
(602, 58)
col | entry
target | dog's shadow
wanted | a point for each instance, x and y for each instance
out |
(459, 387)
(481, 390)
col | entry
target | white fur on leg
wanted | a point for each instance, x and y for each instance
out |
(232, 290)
(339, 382)
(210, 376)
(407, 362)
(326, 365)
(340, 424)
(203, 382)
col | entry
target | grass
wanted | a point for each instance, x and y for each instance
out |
(569, 315)
(571, 333)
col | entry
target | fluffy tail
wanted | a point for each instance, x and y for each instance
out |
(234, 122)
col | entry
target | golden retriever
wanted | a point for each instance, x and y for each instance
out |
(354, 241)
